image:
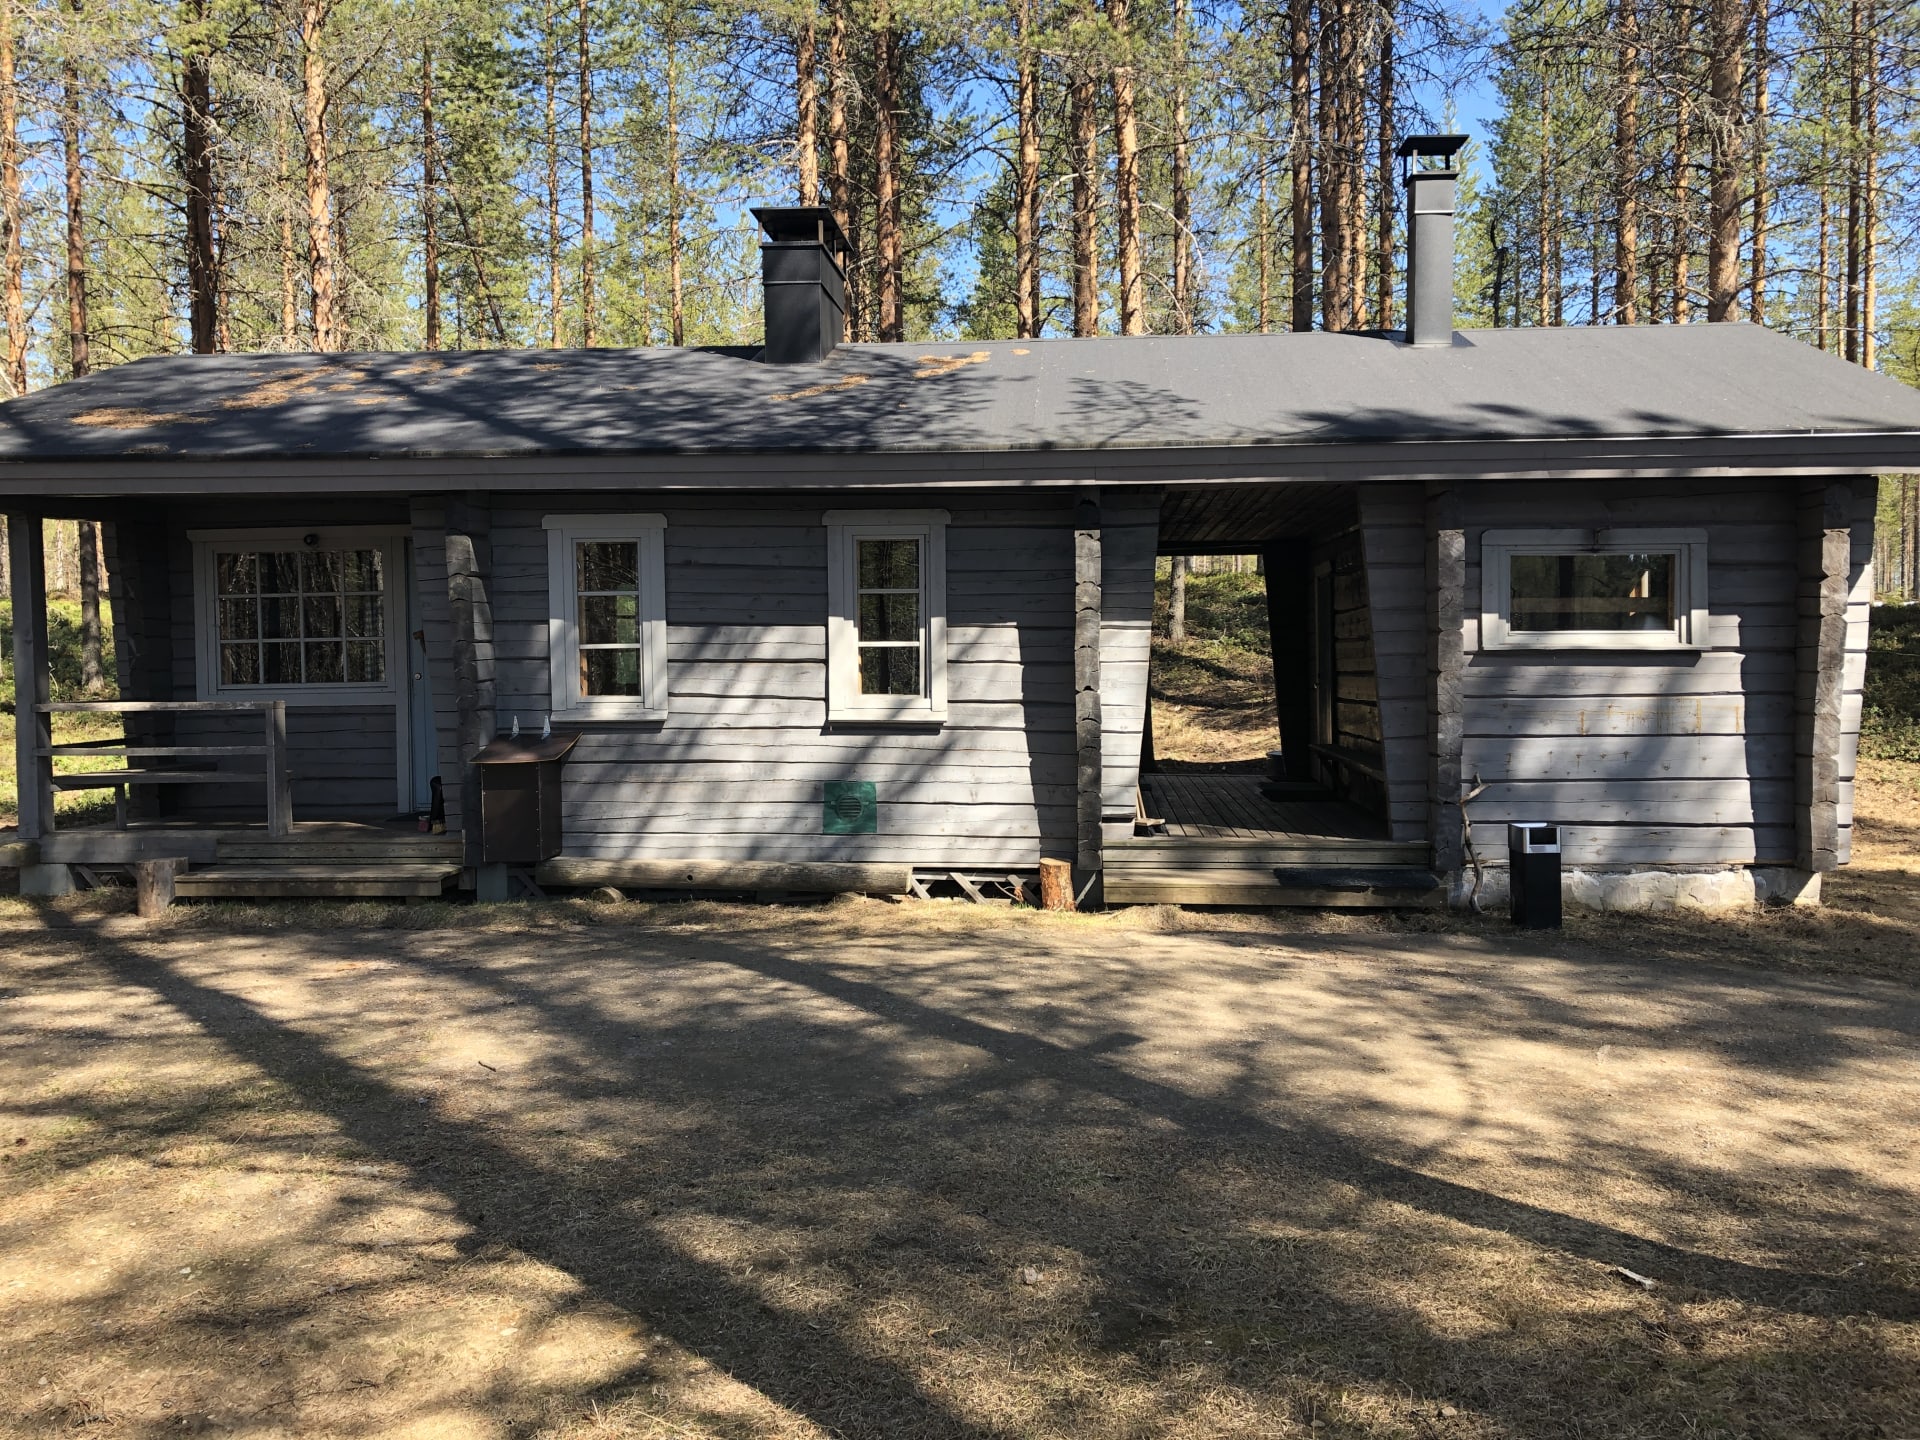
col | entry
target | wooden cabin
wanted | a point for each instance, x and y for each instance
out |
(829, 616)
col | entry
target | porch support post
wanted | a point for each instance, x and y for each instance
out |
(470, 610)
(1289, 565)
(1446, 617)
(27, 574)
(1086, 680)
(1826, 543)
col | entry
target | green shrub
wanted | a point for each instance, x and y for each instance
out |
(1229, 609)
(1890, 714)
(63, 641)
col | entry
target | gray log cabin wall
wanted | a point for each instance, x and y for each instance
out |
(1130, 535)
(1664, 758)
(736, 769)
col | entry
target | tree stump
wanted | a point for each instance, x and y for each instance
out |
(153, 886)
(1056, 885)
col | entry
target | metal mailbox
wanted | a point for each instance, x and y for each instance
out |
(520, 798)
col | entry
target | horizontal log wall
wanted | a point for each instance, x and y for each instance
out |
(736, 770)
(1652, 758)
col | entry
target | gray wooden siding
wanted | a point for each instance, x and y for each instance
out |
(1393, 540)
(343, 757)
(1129, 537)
(1355, 707)
(736, 769)
(1650, 758)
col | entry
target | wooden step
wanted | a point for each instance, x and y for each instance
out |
(316, 881)
(1352, 887)
(298, 850)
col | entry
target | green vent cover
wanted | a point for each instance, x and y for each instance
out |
(849, 808)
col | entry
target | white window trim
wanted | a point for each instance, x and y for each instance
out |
(386, 539)
(845, 703)
(563, 620)
(1498, 547)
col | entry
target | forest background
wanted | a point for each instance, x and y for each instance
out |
(214, 175)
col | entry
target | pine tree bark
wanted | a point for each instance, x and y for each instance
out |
(677, 314)
(1300, 111)
(429, 202)
(806, 98)
(1026, 182)
(1182, 178)
(589, 327)
(1851, 341)
(1823, 299)
(840, 157)
(1626, 170)
(1762, 69)
(1383, 239)
(196, 164)
(87, 535)
(314, 105)
(1546, 211)
(549, 64)
(890, 301)
(13, 284)
(1126, 178)
(1682, 210)
(1870, 203)
(1084, 121)
(1726, 89)
(70, 144)
(1263, 255)
(1177, 599)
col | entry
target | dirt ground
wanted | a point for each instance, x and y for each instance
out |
(883, 1170)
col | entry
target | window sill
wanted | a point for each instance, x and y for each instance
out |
(917, 712)
(312, 695)
(609, 715)
(1591, 640)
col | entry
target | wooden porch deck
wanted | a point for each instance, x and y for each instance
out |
(1227, 841)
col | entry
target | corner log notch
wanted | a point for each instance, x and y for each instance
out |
(1446, 625)
(1826, 553)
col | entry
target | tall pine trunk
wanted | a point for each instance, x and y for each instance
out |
(88, 536)
(888, 243)
(677, 315)
(70, 145)
(1682, 210)
(1626, 170)
(806, 102)
(1026, 180)
(196, 164)
(1126, 179)
(589, 329)
(556, 300)
(313, 113)
(1726, 86)
(1383, 239)
(1300, 119)
(1851, 341)
(1762, 68)
(1263, 254)
(429, 201)
(1870, 202)
(14, 281)
(1182, 178)
(840, 157)
(1084, 120)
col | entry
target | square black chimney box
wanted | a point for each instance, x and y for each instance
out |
(803, 267)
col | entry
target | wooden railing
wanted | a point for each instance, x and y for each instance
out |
(273, 752)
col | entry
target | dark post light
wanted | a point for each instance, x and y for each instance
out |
(1427, 170)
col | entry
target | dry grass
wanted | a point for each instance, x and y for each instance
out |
(1213, 706)
(869, 1170)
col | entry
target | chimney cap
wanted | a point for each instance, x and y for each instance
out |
(1432, 147)
(802, 225)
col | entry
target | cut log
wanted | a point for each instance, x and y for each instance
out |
(153, 885)
(1056, 885)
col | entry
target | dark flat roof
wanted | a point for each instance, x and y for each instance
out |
(1109, 394)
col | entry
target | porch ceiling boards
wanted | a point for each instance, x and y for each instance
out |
(1236, 519)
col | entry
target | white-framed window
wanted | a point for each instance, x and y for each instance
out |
(887, 616)
(607, 616)
(307, 616)
(1593, 590)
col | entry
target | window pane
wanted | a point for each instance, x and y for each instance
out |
(365, 616)
(608, 565)
(890, 670)
(322, 616)
(280, 664)
(609, 672)
(320, 570)
(239, 664)
(280, 572)
(609, 620)
(366, 662)
(239, 619)
(360, 569)
(1592, 592)
(889, 617)
(889, 564)
(237, 574)
(280, 619)
(326, 664)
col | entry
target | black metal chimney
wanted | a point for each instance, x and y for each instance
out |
(803, 266)
(1428, 172)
